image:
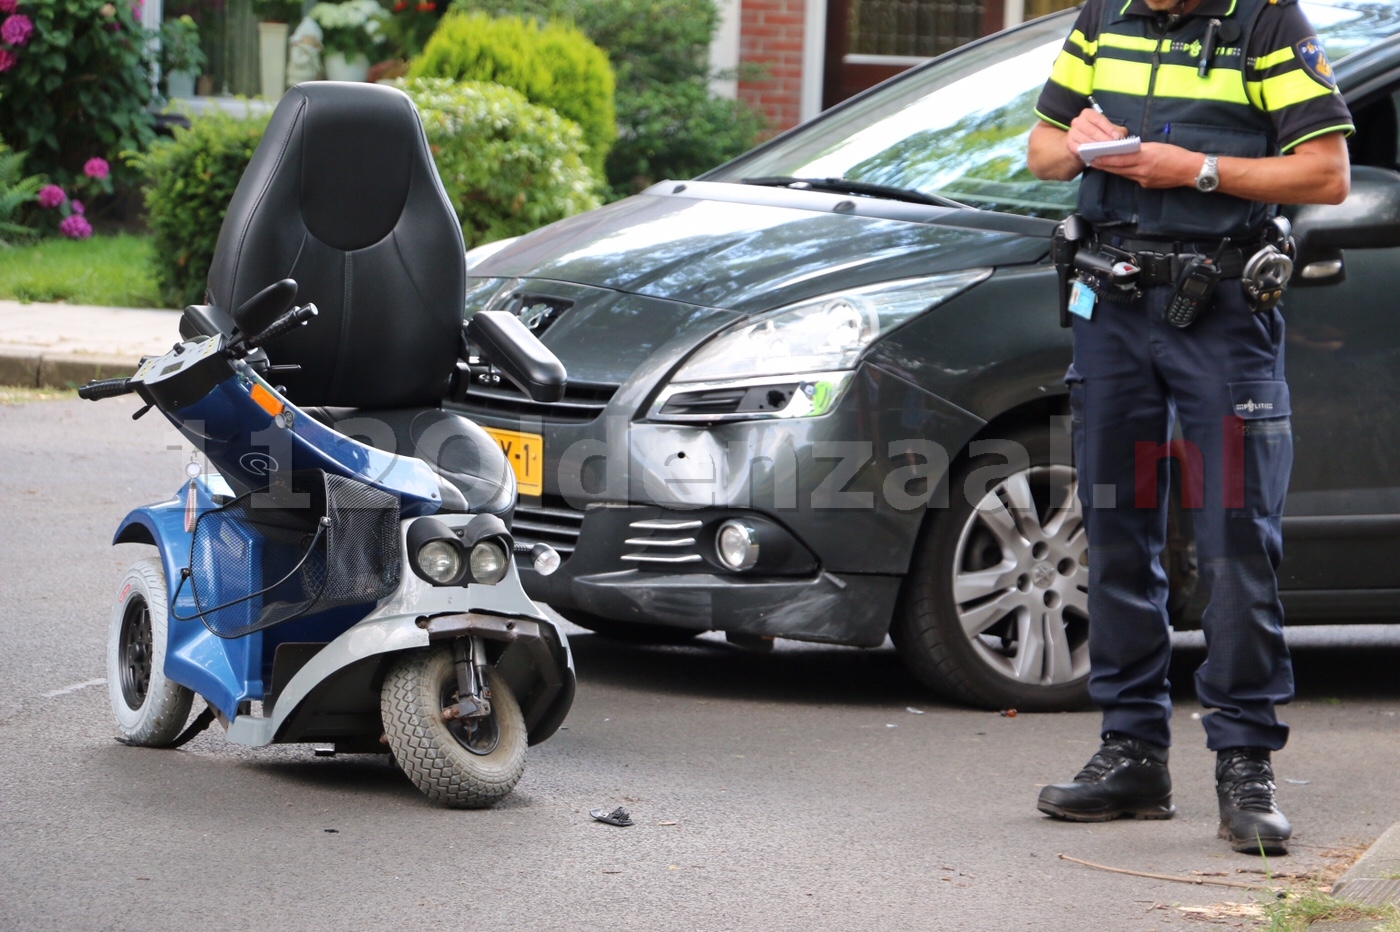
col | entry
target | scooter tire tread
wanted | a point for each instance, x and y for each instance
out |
(161, 717)
(425, 749)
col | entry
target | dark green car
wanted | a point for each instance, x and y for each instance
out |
(817, 392)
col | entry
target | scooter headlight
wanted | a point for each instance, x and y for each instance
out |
(488, 562)
(440, 562)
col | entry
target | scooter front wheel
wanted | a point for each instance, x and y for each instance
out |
(464, 763)
(150, 709)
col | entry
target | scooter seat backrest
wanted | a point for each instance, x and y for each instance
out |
(343, 196)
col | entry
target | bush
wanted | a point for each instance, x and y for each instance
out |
(16, 191)
(76, 86)
(509, 166)
(190, 181)
(669, 125)
(553, 65)
(677, 130)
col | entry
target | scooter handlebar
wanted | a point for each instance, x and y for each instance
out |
(288, 321)
(106, 388)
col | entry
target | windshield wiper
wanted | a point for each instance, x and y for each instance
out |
(847, 186)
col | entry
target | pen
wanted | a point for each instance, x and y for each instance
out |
(1095, 104)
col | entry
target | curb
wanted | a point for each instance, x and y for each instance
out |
(1375, 878)
(38, 370)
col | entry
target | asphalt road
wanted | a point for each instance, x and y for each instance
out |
(806, 794)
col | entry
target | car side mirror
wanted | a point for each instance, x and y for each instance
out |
(509, 346)
(1368, 219)
(257, 313)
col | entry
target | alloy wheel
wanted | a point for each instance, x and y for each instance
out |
(1020, 578)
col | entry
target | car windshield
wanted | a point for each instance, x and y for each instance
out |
(958, 128)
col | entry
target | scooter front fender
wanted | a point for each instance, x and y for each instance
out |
(224, 672)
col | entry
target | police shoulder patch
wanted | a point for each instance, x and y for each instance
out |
(1315, 62)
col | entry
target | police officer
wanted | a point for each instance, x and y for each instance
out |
(1237, 111)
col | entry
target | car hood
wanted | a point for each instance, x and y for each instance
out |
(749, 249)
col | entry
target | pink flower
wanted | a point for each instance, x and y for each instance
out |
(50, 196)
(96, 168)
(16, 29)
(7, 59)
(8, 6)
(75, 227)
(78, 208)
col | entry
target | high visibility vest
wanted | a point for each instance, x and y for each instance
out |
(1149, 81)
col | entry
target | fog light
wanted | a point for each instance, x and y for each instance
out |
(488, 562)
(439, 561)
(736, 545)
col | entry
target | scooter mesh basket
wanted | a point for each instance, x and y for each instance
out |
(255, 563)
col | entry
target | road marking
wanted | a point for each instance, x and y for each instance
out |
(75, 687)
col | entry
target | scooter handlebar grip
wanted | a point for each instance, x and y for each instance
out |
(288, 321)
(106, 388)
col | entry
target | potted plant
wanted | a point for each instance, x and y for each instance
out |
(181, 57)
(354, 31)
(275, 15)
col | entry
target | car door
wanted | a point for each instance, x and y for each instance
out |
(1342, 523)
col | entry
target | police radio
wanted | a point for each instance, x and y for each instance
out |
(1194, 288)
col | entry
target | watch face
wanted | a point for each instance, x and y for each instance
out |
(1207, 183)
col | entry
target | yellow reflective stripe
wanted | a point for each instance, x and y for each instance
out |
(1346, 128)
(1131, 77)
(1291, 88)
(1111, 40)
(1055, 123)
(1122, 77)
(1221, 84)
(1074, 74)
(1082, 41)
(1274, 58)
(1255, 90)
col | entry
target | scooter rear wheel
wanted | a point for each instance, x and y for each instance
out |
(150, 709)
(452, 764)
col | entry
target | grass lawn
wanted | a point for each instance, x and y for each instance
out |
(110, 270)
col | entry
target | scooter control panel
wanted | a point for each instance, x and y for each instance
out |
(184, 375)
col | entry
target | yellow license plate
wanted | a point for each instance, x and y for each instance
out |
(525, 453)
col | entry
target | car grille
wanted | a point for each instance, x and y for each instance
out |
(582, 402)
(551, 522)
(661, 542)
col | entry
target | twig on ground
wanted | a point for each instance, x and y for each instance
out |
(1191, 880)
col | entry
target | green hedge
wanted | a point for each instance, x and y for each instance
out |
(509, 166)
(669, 124)
(553, 65)
(190, 179)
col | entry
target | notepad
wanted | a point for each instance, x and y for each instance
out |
(1092, 150)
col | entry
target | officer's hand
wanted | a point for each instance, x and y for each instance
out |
(1155, 165)
(1091, 126)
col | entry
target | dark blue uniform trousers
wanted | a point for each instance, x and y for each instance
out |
(1223, 378)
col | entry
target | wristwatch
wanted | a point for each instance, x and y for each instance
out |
(1209, 178)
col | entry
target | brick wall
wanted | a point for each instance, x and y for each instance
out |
(770, 34)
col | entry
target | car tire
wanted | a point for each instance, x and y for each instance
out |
(150, 709)
(994, 608)
(633, 632)
(453, 763)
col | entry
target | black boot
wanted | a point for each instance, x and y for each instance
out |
(1249, 815)
(1127, 777)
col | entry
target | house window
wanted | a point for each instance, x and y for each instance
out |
(228, 35)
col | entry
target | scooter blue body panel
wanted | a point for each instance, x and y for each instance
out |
(249, 443)
(225, 672)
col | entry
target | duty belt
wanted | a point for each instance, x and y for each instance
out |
(1161, 262)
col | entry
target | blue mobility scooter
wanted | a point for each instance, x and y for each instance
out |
(346, 574)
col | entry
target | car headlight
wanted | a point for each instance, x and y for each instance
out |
(798, 360)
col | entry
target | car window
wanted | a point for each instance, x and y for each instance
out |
(1377, 139)
(959, 127)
